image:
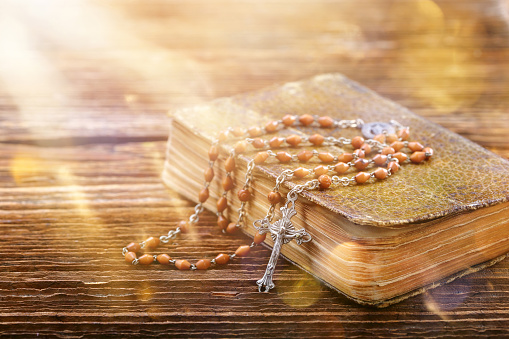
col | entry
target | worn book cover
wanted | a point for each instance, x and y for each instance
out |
(376, 243)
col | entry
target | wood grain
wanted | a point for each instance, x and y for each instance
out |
(84, 90)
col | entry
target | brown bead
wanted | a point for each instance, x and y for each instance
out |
(274, 197)
(360, 153)
(163, 259)
(130, 256)
(325, 181)
(203, 264)
(366, 148)
(417, 157)
(361, 163)
(242, 251)
(231, 228)
(341, 167)
(301, 172)
(288, 120)
(255, 131)
(152, 242)
(293, 140)
(182, 265)
(222, 222)
(271, 126)
(259, 238)
(415, 146)
(239, 131)
(380, 138)
(390, 138)
(345, 157)
(403, 134)
(316, 139)
(400, 156)
(204, 195)
(380, 159)
(208, 174)
(393, 166)
(276, 142)
(362, 177)
(222, 136)
(357, 142)
(381, 173)
(146, 259)
(222, 203)
(229, 164)
(258, 143)
(240, 147)
(283, 157)
(227, 183)
(222, 259)
(325, 121)
(388, 150)
(133, 247)
(326, 157)
(184, 226)
(428, 151)
(306, 119)
(213, 153)
(320, 170)
(260, 157)
(304, 156)
(244, 195)
(397, 145)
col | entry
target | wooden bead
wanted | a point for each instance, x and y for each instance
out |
(288, 120)
(381, 173)
(325, 121)
(244, 195)
(204, 195)
(222, 136)
(239, 131)
(316, 139)
(258, 143)
(293, 140)
(222, 203)
(380, 159)
(152, 242)
(341, 167)
(222, 259)
(184, 226)
(203, 264)
(240, 147)
(320, 170)
(306, 119)
(229, 164)
(231, 228)
(254, 131)
(361, 163)
(415, 146)
(403, 134)
(326, 157)
(325, 181)
(276, 142)
(271, 126)
(213, 153)
(393, 166)
(134, 247)
(304, 156)
(283, 157)
(260, 157)
(182, 265)
(274, 198)
(397, 145)
(130, 256)
(227, 183)
(146, 259)
(357, 142)
(259, 238)
(417, 157)
(163, 259)
(301, 172)
(388, 150)
(345, 157)
(380, 138)
(208, 174)
(362, 177)
(360, 153)
(222, 222)
(242, 251)
(400, 156)
(390, 138)
(366, 148)
(428, 151)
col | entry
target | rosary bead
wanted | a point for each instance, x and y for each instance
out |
(325, 121)
(222, 222)
(255, 131)
(222, 203)
(345, 157)
(229, 164)
(146, 259)
(316, 139)
(380, 159)
(320, 170)
(227, 183)
(360, 153)
(393, 166)
(163, 259)
(361, 163)
(306, 119)
(152, 242)
(274, 198)
(288, 120)
(222, 136)
(400, 156)
(242, 251)
(390, 138)
(231, 228)
(305, 155)
(208, 174)
(130, 256)
(403, 134)
(271, 126)
(222, 259)
(260, 157)
(428, 151)
(283, 157)
(397, 145)
(239, 131)
(357, 142)
(388, 150)
(203, 264)
(184, 226)
(293, 140)
(326, 157)
(204, 195)
(341, 167)
(213, 153)
(366, 148)
(258, 143)
(362, 177)
(380, 138)
(259, 238)
(301, 172)
(133, 247)
(244, 195)
(415, 146)
(381, 173)
(275, 142)
(182, 265)
(417, 157)
(325, 181)
(240, 147)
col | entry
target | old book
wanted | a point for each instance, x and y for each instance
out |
(377, 243)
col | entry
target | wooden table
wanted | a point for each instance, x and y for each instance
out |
(84, 90)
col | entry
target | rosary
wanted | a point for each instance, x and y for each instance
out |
(385, 140)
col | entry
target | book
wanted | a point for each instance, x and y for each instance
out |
(376, 243)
